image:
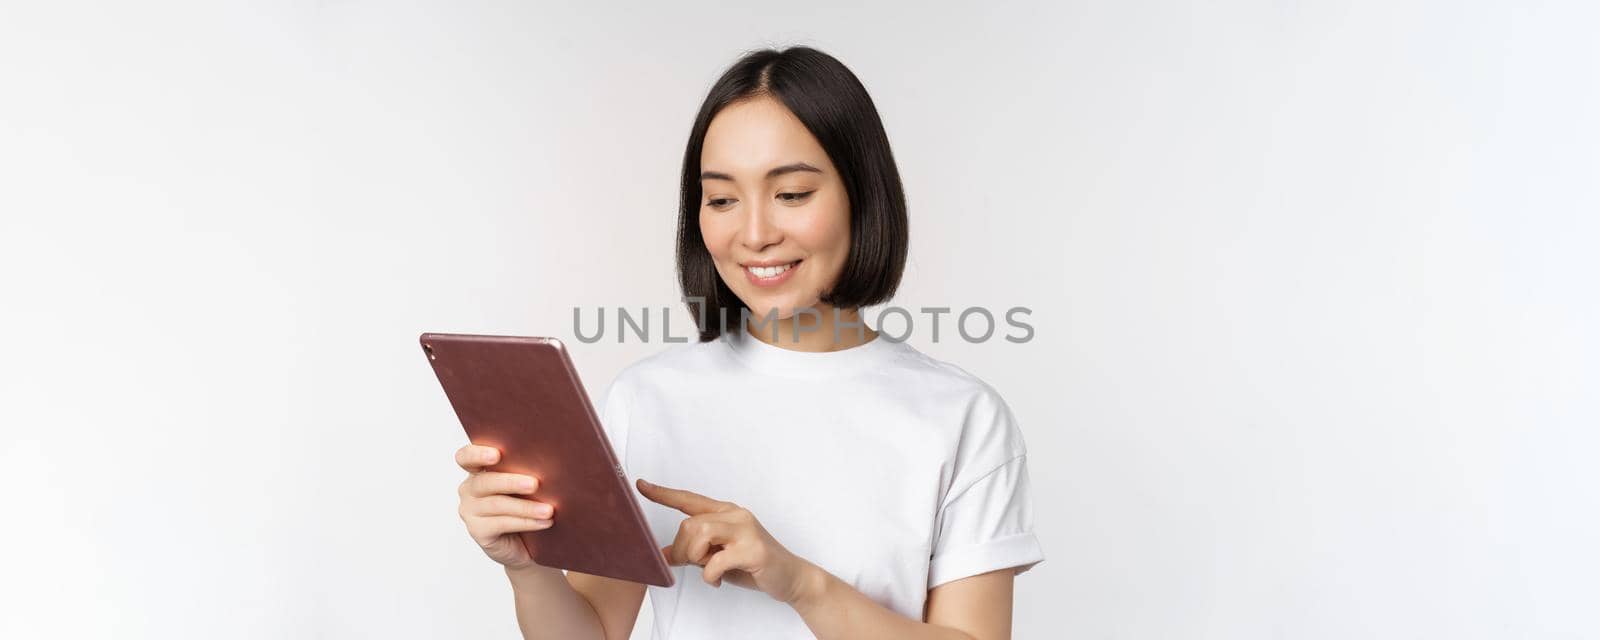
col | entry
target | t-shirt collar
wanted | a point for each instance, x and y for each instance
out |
(778, 360)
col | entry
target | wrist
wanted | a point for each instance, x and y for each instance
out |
(532, 573)
(813, 588)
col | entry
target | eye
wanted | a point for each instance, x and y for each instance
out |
(720, 203)
(795, 196)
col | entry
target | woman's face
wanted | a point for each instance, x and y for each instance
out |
(773, 211)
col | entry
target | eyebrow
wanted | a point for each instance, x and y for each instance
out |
(775, 172)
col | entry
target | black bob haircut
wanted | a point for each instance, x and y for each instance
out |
(831, 102)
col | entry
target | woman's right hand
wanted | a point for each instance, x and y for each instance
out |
(493, 510)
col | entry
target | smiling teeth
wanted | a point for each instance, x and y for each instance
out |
(769, 272)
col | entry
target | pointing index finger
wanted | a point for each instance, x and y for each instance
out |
(688, 502)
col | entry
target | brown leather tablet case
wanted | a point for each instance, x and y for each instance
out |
(522, 396)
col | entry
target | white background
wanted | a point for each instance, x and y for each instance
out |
(1313, 285)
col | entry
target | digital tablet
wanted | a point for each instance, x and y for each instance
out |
(522, 396)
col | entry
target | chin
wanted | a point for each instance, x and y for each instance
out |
(760, 311)
(781, 310)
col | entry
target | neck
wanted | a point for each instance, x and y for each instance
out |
(828, 329)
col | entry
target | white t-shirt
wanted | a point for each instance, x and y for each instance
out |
(889, 469)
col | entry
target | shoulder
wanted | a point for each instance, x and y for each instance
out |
(990, 437)
(947, 379)
(981, 410)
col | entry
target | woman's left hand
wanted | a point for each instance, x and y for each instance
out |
(731, 544)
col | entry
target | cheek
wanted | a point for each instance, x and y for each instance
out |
(828, 232)
(714, 236)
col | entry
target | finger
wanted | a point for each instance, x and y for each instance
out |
(485, 530)
(474, 457)
(703, 547)
(490, 483)
(721, 562)
(688, 502)
(504, 505)
(694, 540)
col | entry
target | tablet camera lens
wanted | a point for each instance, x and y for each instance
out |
(429, 348)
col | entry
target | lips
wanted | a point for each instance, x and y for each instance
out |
(767, 274)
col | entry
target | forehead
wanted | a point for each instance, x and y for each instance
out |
(751, 136)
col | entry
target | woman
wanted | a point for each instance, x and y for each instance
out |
(815, 478)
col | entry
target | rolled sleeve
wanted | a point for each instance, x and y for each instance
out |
(988, 526)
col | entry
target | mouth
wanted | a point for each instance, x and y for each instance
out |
(769, 274)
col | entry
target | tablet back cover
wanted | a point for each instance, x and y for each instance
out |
(522, 396)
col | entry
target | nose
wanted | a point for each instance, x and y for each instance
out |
(759, 230)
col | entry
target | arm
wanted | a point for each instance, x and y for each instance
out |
(578, 605)
(972, 608)
(548, 607)
(615, 602)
